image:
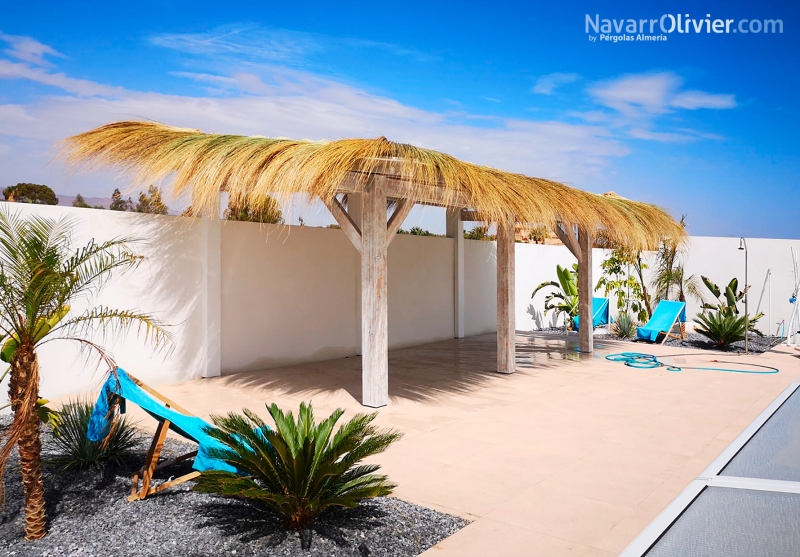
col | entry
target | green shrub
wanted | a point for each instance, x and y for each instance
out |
(299, 469)
(624, 326)
(74, 450)
(722, 327)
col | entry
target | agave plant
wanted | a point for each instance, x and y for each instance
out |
(565, 298)
(74, 449)
(624, 326)
(300, 468)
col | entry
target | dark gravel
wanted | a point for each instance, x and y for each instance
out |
(756, 344)
(89, 516)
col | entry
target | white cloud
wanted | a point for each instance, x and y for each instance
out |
(28, 49)
(638, 101)
(547, 84)
(692, 100)
(291, 103)
(256, 44)
(83, 87)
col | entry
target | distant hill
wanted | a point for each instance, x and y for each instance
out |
(67, 200)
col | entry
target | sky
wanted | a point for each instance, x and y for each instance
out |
(702, 123)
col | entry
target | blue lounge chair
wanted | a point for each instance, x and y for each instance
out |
(121, 387)
(665, 316)
(601, 314)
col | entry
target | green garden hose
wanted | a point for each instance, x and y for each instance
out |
(640, 360)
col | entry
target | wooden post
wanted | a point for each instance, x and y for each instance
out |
(455, 230)
(506, 325)
(374, 302)
(585, 306)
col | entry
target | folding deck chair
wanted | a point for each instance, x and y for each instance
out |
(664, 318)
(121, 387)
(600, 314)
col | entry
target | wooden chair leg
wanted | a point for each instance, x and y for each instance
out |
(151, 461)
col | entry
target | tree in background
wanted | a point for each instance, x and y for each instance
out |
(151, 202)
(268, 213)
(119, 204)
(477, 233)
(80, 202)
(629, 289)
(43, 273)
(30, 193)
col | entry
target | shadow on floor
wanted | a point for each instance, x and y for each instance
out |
(418, 373)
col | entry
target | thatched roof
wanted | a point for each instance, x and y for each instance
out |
(251, 168)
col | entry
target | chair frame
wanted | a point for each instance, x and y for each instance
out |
(668, 333)
(154, 452)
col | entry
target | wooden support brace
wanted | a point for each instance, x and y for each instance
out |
(349, 227)
(399, 215)
(569, 236)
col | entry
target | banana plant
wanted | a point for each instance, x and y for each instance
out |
(728, 307)
(565, 298)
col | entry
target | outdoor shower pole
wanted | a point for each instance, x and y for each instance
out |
(743, 246)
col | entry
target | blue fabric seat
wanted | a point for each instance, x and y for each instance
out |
(122, 386)
(666, 314)
(601, 314)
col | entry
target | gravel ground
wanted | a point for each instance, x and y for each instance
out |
(756, 344)
(89, 516)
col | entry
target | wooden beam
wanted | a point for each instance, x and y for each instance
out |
(401, 189)
(585, 306)
(374, 293)
(506, 321)
(569, 236)
(349, 227)
(470, 216)
(400, 213)
(455, 230)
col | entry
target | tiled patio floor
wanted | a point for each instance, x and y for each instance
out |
(568, 456)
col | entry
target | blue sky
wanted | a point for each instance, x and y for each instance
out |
(704, 124)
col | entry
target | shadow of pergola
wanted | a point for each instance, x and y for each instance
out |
(419, 373)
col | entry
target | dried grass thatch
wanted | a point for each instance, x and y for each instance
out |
(252, 168)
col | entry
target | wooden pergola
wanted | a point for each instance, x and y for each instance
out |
(371, 173)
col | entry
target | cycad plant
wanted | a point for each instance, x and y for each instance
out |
(722, 328)
(300, 468)
(41, 273)
(565, 297)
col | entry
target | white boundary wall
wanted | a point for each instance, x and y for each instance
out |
(243, 296)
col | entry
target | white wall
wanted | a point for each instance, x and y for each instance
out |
(536, 264)
(480, 287)
(720, 260)
(288, 294)
(167, 284)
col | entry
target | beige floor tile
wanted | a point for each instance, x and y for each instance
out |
(487, 538)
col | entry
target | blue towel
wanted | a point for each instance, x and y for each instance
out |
(600, 314)
(190, 427)
(662, 320)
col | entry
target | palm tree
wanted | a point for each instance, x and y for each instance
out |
(670, 276)
(41, 274)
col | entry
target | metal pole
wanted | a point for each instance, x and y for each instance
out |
(769, 307)
(746, 297)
